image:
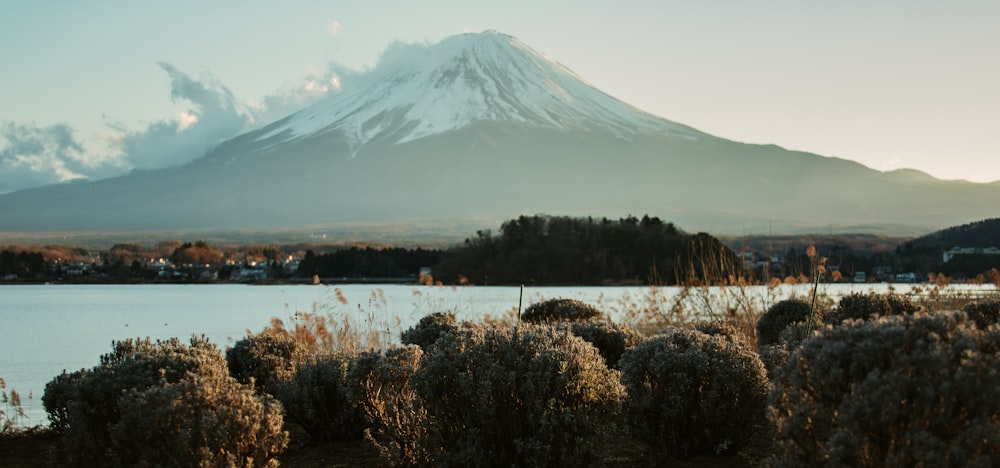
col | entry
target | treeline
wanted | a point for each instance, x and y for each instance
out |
(23, 263)
(369, 262)
(538, 250)
(564, 250)
(196, 253)
(925, 253)
(984, 233)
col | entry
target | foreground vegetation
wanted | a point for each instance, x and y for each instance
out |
(871, 380)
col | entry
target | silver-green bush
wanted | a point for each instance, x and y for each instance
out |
(984, 312)
(86, 403)
(861, 306)
(396, 417)
(907, 390)
(718, 328)
(776, 355)
(199, 421)
(429, 329)
(559, 310)
(530, 396)
(265, 359)
(610, 338)
(690, 393)
(58, 393)
(318, 399)
(779, 316)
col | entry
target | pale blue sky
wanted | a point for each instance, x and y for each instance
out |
(887, 83)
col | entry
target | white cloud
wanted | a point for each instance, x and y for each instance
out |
(334, 28)
(185, 120)
(312, 88)
(33, 155)
(321, 85)
(214, 116)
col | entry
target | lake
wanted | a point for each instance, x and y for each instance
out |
(49, 328)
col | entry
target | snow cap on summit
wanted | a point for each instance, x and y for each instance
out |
(421, 90)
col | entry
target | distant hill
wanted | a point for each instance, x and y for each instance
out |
(477, 129)
(981, 234)
(969, 247)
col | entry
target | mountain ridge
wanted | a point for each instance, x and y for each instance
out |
(525, 136)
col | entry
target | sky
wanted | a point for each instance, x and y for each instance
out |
(96, 89)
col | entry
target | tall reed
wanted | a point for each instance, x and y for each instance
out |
(12, 416)
(331, 326)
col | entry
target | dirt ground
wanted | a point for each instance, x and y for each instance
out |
(30, 449)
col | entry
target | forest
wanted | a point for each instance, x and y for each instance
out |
(559, 250)
(368, 262)
(534, 250)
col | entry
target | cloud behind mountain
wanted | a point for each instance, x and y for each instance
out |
(33, 155)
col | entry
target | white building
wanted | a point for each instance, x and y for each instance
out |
(951, 253)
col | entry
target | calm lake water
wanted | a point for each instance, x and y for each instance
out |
(49, 328)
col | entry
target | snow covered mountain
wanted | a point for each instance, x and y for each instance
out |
(480, 128)
(463, 80)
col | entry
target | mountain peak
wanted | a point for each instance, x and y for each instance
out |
(424, 90)
(488, 35)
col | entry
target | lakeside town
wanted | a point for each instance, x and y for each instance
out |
(275, 264)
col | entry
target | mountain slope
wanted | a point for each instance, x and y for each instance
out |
(481, 127)
(466, 79)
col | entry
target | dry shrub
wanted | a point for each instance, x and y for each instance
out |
(199, 421)
(506, 319)
(737, 304)
(329, 328)
(266, 360)
(776, 355)
(84, 405)
(652, 308)
(529, 396)
(58, 393)
(780, 316)
(690, 393)
(942, 296)
(984, 312)
(322, 333)
(429, 329)
(610, 338)
(559, 310)
(317, 398)
(860, 306)
(13, 412)
(723, 329)
(908, 390)
(395, 415)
